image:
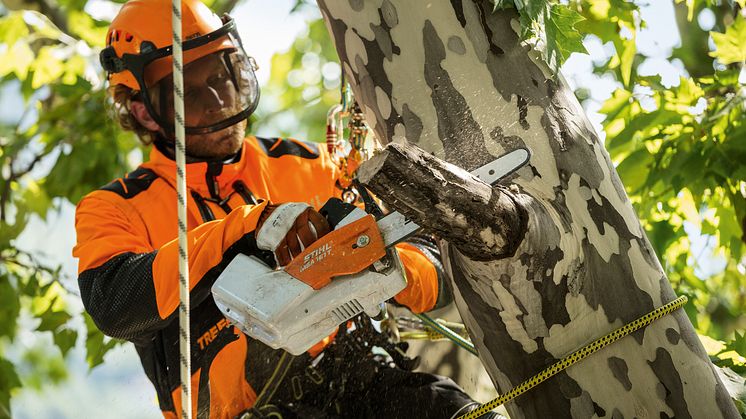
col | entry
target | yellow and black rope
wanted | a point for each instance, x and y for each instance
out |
(576, 356)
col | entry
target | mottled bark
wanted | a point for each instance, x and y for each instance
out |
(453, 78)
(483, 222)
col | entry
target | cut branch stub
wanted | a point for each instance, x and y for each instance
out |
(483, 222)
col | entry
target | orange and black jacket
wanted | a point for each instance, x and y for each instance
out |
(128, 277)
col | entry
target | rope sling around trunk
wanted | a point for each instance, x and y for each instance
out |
(185, 353)
(577, 356)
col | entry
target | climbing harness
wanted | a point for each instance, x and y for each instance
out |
(338, 375)
(577, 356)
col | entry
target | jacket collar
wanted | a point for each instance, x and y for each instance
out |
(200, 173)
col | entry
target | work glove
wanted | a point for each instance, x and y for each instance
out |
(287, 229)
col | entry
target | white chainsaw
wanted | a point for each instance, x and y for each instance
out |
(351, 270)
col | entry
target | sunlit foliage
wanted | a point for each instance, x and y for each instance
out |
(680, 151)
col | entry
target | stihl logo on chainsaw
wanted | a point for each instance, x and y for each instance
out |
(316, 255)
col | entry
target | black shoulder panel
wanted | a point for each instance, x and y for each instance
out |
(135, 182)
(276, 147)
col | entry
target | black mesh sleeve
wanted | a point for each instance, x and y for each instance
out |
(120, 296)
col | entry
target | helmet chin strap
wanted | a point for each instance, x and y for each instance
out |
(166, 146)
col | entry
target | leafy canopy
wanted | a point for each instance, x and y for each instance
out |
(679, 149)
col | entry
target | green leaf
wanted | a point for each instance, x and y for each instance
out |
(533, 8)
(728, 76)
(738, 344)
(637, 128)
(13, 28)
(47, 367)
(627, 58)
(10, 307)
(690, 6)
(48, 300)
(730, 47)
(729, 230)
(696, 283)
(562, 37)
(73, 6)
(8, 381)
(29, 286)
(36, 199)
(619, 100)
(500, 4)
(634, 170)
(47, 67)
(88, 29)
(51, 320)
(605, 18)
(65, 339)
(17, 60)
(96, 344)
(661, 235)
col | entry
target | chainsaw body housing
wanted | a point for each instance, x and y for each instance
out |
(284, 312)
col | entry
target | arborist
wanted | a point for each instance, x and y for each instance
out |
(127, 246)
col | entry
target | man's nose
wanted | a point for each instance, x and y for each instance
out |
(212, 101)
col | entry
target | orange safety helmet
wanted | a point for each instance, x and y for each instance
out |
(139, 53)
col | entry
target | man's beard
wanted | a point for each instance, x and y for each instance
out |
(220, 144)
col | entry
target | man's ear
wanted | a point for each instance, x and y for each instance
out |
(140, 112)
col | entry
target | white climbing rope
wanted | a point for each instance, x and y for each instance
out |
(181, 190)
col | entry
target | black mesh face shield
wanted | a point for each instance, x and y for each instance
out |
(220, 87)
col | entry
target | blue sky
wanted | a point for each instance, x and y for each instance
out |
(119, 387)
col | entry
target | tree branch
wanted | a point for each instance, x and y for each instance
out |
(483, 222)
(36, 267)
(5, 194)
(51, 10)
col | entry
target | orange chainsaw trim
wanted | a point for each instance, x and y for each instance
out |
(345, 251)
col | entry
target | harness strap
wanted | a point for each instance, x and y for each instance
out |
(262, 408)
(270, 388)
(204, 210)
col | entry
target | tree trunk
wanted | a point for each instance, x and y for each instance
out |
(452, 78)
